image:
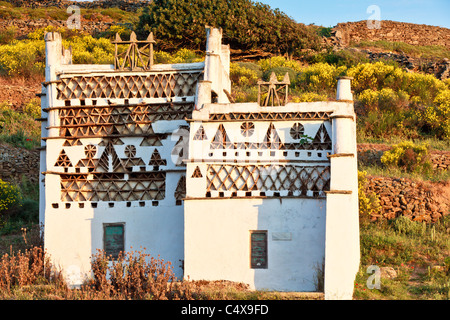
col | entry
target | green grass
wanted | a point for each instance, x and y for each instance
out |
(392, 172)
(417, 252)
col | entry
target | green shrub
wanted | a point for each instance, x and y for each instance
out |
(385, 99)
(309, 97)
(10, 196)
(22, 58)
(320, 78)
(279, 61)
(437, 114)
(408, 156)
(280, 72)
(244, 75)
(404, 225)
(246, 25)
(33, 108)
(8, 35)
(28, 212)
(19, 128)
(369, 204)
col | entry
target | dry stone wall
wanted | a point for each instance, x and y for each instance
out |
(414, 200)
(18, 163)
(415, 34)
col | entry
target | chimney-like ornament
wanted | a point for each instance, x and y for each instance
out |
(276, 91)
(137, 57)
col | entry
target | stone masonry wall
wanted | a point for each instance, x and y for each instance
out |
(414, 200)
(16, 163)
(415, 34)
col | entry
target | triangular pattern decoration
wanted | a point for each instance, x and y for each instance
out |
(272, 139)
(322, 140)
(109, 161)
(180, 191)
(221, 140)
(200, 134)
(197, 173)
(156, 160)
(63, 160)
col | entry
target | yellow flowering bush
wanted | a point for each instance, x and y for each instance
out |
(437, 115)
(22, 58)
(181, 56)
(10, 196)
(89, 50)
(39, 33)
(309, 97)
(369, 204)
(408, 156)
(320, 77)
(243, 76)
(369, 98)
(33, 108)
(279, 61)
(371, 75)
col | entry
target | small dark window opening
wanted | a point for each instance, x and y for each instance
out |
(214, 97)
(113, 239)
(258, 249)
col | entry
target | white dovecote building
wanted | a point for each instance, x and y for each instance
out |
(159, 157)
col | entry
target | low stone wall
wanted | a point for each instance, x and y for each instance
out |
(415, 34)
(18, 163)
(414, 200)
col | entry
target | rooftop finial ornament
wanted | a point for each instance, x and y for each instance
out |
(135, 58)
(277, 91)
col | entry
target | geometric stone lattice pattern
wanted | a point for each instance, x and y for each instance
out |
(154, 85)
(299, 179)
(118, 120)
(113, 187)
(111, 178)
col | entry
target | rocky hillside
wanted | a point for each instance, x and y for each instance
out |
(416, 34)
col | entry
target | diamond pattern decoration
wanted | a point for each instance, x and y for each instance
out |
(268, 178)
